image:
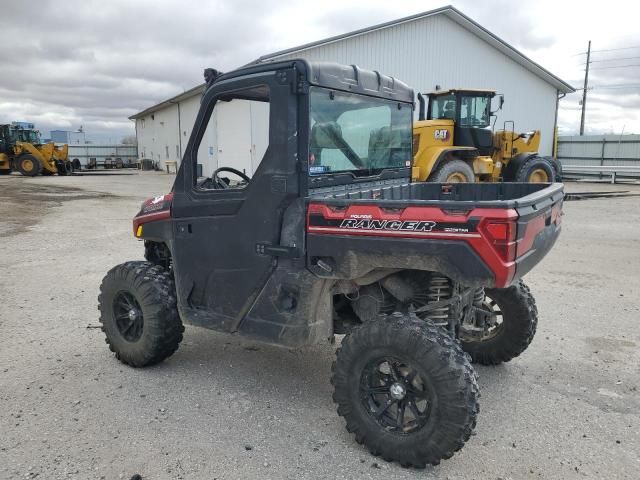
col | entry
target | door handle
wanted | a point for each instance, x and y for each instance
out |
(183, 229)
(276, 250)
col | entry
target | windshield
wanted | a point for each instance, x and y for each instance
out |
(358, 134)
(29, 136)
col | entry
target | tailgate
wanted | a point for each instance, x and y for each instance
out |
(538, 228)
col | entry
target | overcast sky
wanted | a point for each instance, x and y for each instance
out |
(94, 63)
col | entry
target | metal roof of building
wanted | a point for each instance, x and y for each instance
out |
(451, 12)
(171, 101)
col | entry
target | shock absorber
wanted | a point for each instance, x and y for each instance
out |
(478, 297)
(439, 288)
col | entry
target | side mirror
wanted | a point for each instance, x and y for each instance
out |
(501, 103)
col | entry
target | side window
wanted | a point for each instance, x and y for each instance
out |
(235, 140)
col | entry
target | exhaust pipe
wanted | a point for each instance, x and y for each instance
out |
(421, 111)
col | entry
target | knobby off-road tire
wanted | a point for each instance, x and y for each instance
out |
(515, 333)
(138, 312)
(440, 405)
(454, 171)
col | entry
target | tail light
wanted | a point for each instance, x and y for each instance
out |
(502, 235)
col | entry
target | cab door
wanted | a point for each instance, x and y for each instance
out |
(222, 237)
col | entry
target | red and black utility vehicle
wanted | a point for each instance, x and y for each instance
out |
(328, 236)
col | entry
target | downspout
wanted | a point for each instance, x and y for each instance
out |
(179, 132)
(554, 147)
(135, 124)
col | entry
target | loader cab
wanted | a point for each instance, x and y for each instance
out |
(4, 138)
(471, 112)
(28, 136)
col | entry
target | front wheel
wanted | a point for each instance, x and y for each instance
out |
(406, 389)
(138, 312)
(511, 327)
(28, 165)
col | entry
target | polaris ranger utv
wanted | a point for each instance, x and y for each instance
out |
(329, 236)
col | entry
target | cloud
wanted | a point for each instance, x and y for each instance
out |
(94, 63)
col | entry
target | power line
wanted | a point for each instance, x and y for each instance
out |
(607, 87)
(612, 87)
(615, 49)
(617, 66)
(607, 50)
(613, 59)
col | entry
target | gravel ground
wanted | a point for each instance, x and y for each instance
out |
(225, 408)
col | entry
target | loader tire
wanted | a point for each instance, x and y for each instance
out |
(557, 168)
(139, 314)
(64, 168)
(28, 165)
(5, 171)
(536, 170)
(406, 390)
(519, 320)
(454, 171)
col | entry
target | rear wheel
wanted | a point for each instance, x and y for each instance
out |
(454, 171)
(511, 328)
(28, 165)
(536, 170)
(138, 312)
(406, 390)
(557, 168)
(64, 168)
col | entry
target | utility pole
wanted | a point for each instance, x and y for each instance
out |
(584, 90)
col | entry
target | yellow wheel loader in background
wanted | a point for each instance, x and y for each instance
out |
(453, 142)
(21, 150)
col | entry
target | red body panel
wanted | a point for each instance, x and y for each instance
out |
(153, 209)
(478, 227)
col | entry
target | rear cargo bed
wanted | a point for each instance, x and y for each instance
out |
(492, 195)
(478, 234)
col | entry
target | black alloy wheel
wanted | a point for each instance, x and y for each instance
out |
(396, 395)
(128, 316)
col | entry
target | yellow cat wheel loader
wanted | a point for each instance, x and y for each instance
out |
(454, 142)
(22, 150)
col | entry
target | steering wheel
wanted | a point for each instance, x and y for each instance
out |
(220, 183)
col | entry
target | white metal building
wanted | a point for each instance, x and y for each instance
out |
(440, 48)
